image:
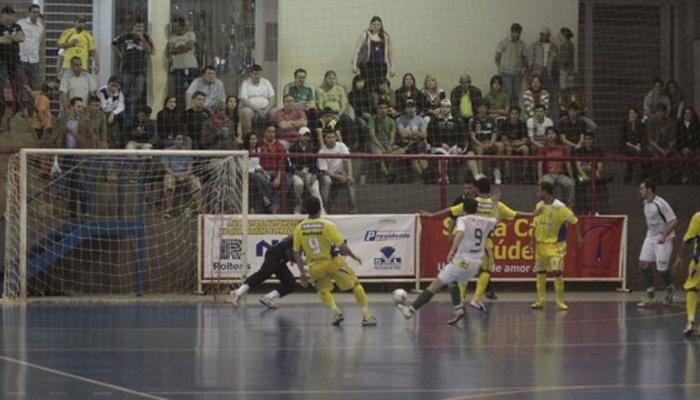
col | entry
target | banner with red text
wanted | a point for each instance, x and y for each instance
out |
(600, 258)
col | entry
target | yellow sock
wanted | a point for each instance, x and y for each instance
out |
(481, 285)
(360, 296)
(541, 286)
(691, 304)
(559, 287)
(462, 290)
(328, 300)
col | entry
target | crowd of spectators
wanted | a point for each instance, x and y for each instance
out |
(548, 117)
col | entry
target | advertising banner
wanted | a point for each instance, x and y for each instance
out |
(598, 258)
(385, 243)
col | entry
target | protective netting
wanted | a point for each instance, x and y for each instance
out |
(122, 222)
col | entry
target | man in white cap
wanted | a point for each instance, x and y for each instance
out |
(543, 56)
(305, 178)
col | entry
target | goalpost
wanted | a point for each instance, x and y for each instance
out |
(114, 222)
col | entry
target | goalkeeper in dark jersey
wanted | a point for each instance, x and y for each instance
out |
(276, 259)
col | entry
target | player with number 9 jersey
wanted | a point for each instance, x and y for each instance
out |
(318, 238)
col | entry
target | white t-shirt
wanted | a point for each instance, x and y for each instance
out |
(187, 59)
(29, 48)
(333, 165)
(658, 213)
(537, 131)
(258, 95)
(476, 229)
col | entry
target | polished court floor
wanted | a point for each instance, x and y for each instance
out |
(599, 349)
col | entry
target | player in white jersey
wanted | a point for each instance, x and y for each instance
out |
(463, 260)
(658, 244)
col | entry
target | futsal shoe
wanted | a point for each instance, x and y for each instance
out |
(235, 299)
(670, 293)
(562, 306)
(648, 303)
(457, 314)
(406, 311)
(538, 305)
(337, 319)
(268, 303)
(478, 305)
(689, 330)
(369, 320)
(490, 294)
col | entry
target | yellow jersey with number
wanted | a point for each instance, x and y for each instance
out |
(318, 238)
(549, 223)
(485, 209)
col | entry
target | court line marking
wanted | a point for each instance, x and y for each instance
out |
(82, 378)
(544, 389)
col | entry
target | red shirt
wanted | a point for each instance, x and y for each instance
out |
(553, 167)
(282, 115)
(272, 163)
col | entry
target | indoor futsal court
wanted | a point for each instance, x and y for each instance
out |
(602, 348)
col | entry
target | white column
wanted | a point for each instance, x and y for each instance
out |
(159, 23)
(102, 30)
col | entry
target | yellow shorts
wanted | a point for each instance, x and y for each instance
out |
(324, 273)
(550, 256)
(693, 280)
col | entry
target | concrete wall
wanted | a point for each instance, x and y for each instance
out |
(445, 38)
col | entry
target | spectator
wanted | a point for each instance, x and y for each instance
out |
(513, 138)
(535, 96)
(408, 91)
(328, 123)
(543, 58)
(372, 56)
(382, 135)
(360, 98)
(304, 96)
(219, 131)
(572, 128)
(143, 131)
(511, 58)
(574, 93)
(556, 172)
(688, 141)
(65, 132)
(79, 43)
(28, 72)
(273, 161)
(257, 97)
(585, 172)
(464, 99)
(331, 95)
(336, 172)
(432, 96)
(676, 97)
(383, 93)
(134, 49)
(566, 57)
(306, 173)
(42, 120)
(180, 48)
(178, 170)
(194, 118)
(655, 97)
(210, 86)
(661, 131)
(289, 119)
(413, 131)
(10, 36)
(112, 104)
(92, 126)
(499, 101)
(448, 136)
(482, 132)
(169, 122)
(634, 143)
(260, 193)
(537, 128)
(77, 83)
(234, 116)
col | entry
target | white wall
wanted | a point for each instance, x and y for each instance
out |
(442, 37)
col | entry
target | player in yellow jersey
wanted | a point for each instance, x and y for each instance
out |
(691, 245)
(485, 209)
(551, 217)
(324, 248)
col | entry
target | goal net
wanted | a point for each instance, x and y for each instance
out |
(114, 222)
